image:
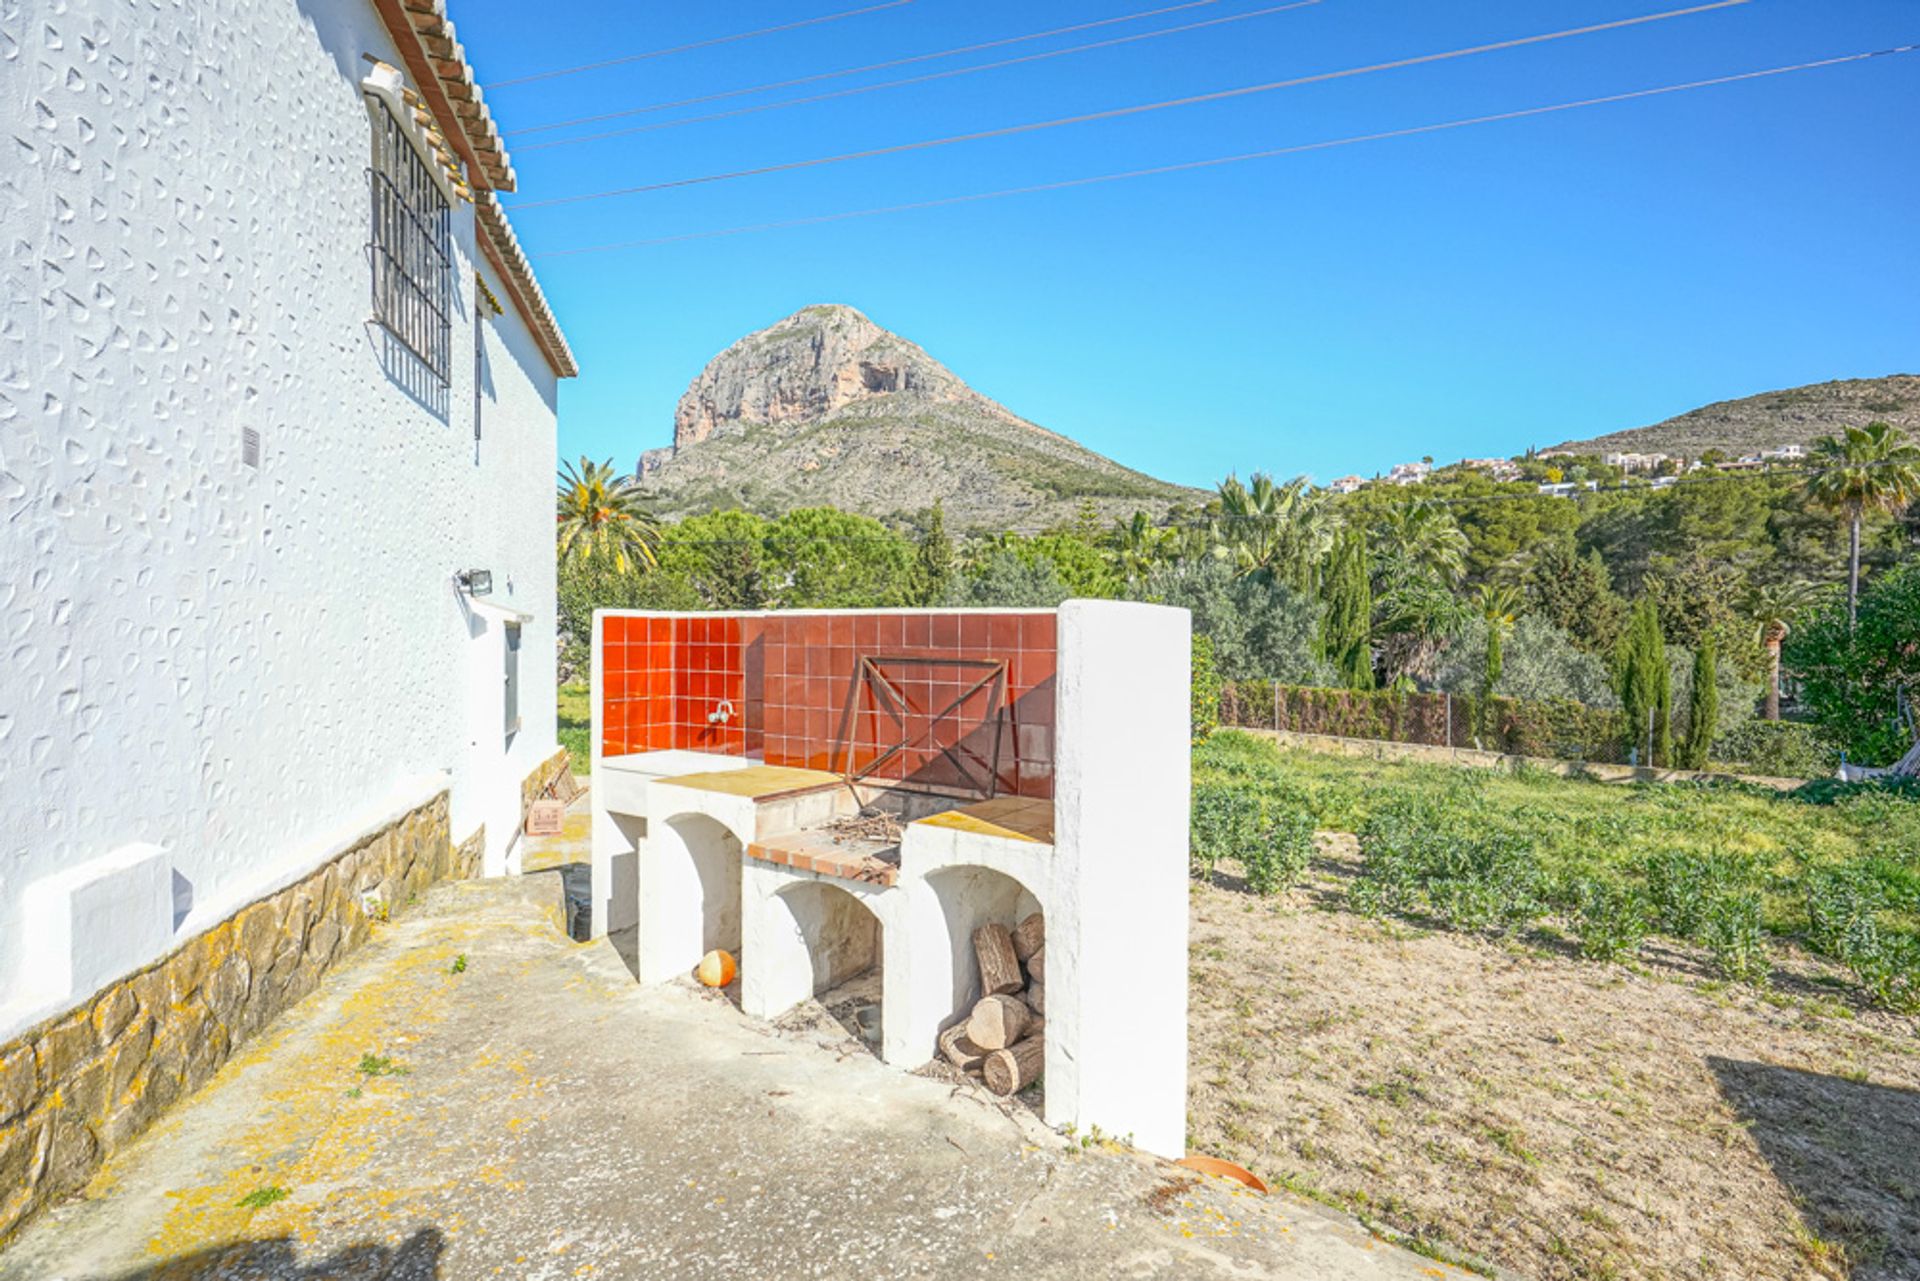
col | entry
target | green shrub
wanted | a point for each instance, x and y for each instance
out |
(1681, 889)
(1268, 831)
(1843, 923)
(1281, 849)
(1206, 690)
(1840, 906)
(1612, 920)
(1777, 749)
(1225, 823)
(1428, 858)
(1732, 933)
(1889, 970)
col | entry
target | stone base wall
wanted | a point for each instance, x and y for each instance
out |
(537, 782)
(80, 1086)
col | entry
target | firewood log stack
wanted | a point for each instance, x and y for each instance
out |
(1003, 1037)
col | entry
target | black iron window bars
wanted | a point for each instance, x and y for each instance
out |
(412, 245)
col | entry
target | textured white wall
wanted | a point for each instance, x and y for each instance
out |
(224, 661)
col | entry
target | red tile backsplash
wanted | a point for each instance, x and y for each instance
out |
(798, 696)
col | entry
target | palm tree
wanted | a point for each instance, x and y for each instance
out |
(1280, 532)
(601, 516)
(1773, 609)
(1139, 545)
(1871, 468)
(1420, 538)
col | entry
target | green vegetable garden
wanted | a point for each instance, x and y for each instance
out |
(1739, 872)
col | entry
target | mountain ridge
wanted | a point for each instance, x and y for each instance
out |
(827, 408)
(1785, 416)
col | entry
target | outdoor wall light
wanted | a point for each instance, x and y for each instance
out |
(475, 582)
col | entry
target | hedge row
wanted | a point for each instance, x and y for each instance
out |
(1558, 728)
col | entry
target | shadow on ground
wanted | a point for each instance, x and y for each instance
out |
(415, 1259)
(1849, 1153)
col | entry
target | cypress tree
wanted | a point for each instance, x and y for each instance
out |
(1646, 684)
(1703, 711)
(1347, 628)
(933, 559)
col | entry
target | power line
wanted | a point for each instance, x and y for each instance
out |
(708, 43)
(1185, 166)
(920, 79)
(854, 71)
(1137, 109)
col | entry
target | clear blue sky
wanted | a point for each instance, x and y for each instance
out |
(1463, 293)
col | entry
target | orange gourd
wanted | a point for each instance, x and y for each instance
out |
(717, 969)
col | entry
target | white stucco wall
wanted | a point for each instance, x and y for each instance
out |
(1117, 920)
(231, 663)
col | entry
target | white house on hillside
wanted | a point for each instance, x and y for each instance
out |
(274, 373)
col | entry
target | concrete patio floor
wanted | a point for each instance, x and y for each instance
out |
(537, 1115)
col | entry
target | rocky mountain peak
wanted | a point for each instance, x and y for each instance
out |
(807, 368)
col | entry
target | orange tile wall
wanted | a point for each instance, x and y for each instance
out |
(798, 699)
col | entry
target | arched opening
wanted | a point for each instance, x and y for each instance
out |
(689, 896)
(843, 939)
(970, 897)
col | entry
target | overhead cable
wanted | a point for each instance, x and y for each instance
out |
(913, 80)
(1113, 113)
(708, 43)
(1212, 162)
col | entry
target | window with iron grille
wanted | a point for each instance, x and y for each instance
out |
(412, 245)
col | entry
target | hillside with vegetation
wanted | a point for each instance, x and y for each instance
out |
(1791, 416)
(827, 409)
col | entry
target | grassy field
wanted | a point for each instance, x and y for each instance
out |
(1391, 1034)
(576, 725)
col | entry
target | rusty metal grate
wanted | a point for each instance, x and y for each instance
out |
(873, 687)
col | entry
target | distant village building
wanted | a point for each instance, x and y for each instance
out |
(1634, 462)
(1785, 454)
(1409, 473)
(1566, 488)
(1498, 468)
(1348, 484)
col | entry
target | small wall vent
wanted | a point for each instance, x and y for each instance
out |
(250, 447)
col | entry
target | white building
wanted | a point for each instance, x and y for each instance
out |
(1634, 462)
(253, 423)
(1785, 454)
(1498, 468)
(1409, 473)
(1348, 484)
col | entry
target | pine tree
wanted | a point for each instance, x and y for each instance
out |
(1703, 712)
(1347, 627)
(1646, 685)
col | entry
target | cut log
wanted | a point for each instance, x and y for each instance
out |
(1036, 997)
(959, 1051)
(1037, 966)
(1011, 1070)
(997, 1022)
(999, 966)
(1029, 936)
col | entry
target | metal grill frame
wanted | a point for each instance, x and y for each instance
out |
(411, 247)
(890, 699)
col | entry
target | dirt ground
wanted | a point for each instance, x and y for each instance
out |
(1508, 1102)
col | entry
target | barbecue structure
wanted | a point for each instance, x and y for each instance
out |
(969, 824)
